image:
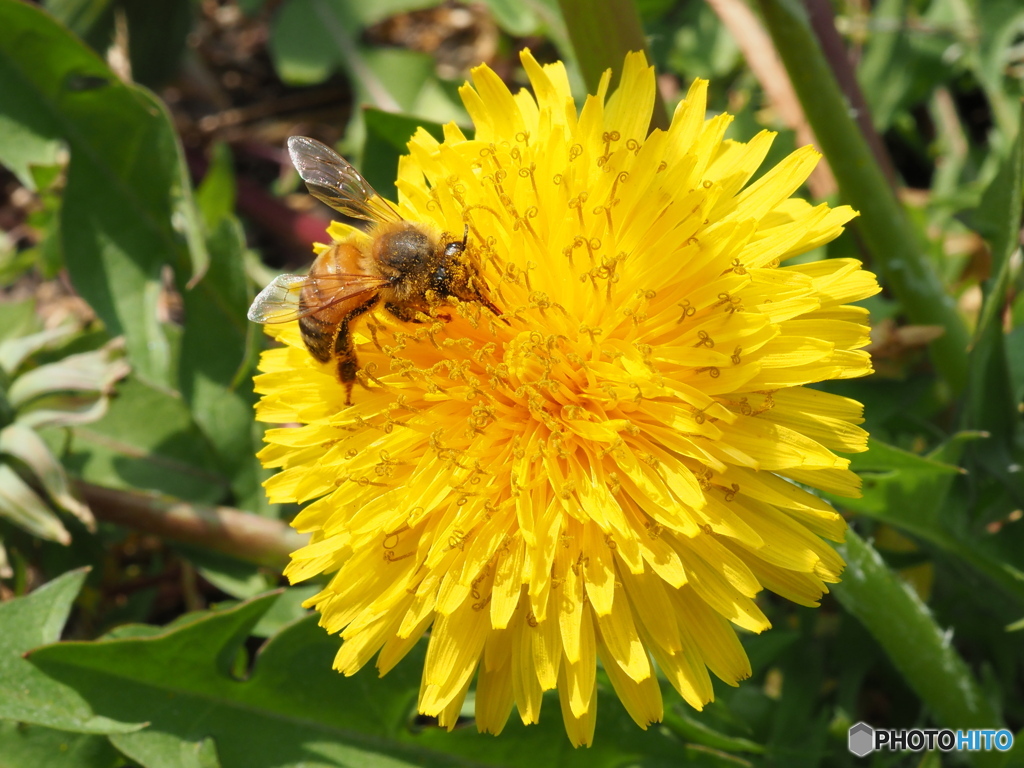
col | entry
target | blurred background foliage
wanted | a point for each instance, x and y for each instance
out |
(145, 195)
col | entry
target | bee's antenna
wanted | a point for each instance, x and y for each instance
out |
(465, 237)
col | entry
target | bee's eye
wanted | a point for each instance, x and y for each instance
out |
(451, 250)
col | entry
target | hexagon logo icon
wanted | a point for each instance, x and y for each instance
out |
(861, 739)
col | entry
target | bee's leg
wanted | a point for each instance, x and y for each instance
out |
(490, 305)
(406, 313)
(478, 293)
(348, 364)
(345, 351)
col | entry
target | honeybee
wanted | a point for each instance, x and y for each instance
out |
(404, 265)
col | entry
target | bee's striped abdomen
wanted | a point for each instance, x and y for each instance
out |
(319, 336)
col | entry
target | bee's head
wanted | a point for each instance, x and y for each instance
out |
(458, 275)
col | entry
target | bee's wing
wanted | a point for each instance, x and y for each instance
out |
(331, 178)
(279, 301)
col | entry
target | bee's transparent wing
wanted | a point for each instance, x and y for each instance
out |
(279, 301)
(331, 178)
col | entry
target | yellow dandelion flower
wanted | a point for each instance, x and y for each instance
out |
(614, 471)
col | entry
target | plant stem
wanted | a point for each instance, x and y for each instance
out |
(892, 242)
(233, 532)
(917, 646)
(823, 23)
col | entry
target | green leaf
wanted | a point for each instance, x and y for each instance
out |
(23, 142)
(156, 32)
(157, 35)
(601, 35)
(87, 372)
(915, 644)
(27, 447)
(293, 710)
(312, 39)
(27, 695)
(127, 208)
(219, 346)
(231, 576)
(702, 46)
(910, 491)
(698, 732)
(405, 75)
(17, 319)
(215, 196)
(80, 16)
(900, 66)
(285, 610)
(32, 746)
(13, 351)
(147, 441)
(20, 504)
(991, 405)
(368, 14)
(514, 16)
(303, 52)
(899, 485)
(999, 24)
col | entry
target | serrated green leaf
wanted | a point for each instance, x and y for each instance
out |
(292, 711)
(286, 610)
(205, 754)
(33, 746)
(27, 695)
(295, 711)
(127, 210)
